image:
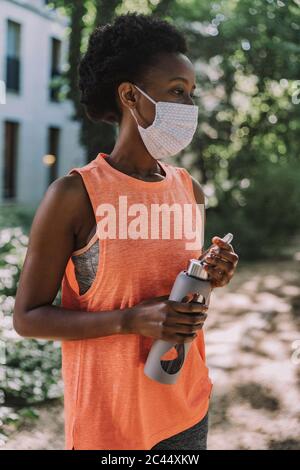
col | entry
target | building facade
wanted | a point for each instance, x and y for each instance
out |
(39, 141)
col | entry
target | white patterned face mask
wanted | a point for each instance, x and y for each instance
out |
(172, 130)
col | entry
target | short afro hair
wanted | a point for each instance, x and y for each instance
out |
(120, 52)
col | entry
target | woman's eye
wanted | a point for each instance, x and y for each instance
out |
(180, 92)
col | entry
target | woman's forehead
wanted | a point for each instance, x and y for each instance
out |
(171, 67)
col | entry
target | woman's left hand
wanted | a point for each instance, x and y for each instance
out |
(221, 262)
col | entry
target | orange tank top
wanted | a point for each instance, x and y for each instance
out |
(109, 403)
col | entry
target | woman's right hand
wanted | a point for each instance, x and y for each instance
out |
(160, 318)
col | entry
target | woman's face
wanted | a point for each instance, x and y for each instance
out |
(171, 79)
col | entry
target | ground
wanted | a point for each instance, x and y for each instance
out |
(253, 352)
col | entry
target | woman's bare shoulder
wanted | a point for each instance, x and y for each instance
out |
(67, 185)
(67, 198)
(70, 187)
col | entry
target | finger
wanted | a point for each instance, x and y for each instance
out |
(218, 278)
(218, 263)
(224, 254)
(218, 241)
(215, 273)
(188, 307)
(179, 339)
(183, 329)
(185, 319)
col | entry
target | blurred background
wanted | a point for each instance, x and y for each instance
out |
(246, 156)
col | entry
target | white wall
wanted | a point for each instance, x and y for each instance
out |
(32, 107)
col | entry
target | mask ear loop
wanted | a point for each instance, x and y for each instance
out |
(147, 96)
(134, 116)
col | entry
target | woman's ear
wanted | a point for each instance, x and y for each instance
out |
(127, 94)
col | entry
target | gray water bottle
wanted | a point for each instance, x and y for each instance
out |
(191, 283)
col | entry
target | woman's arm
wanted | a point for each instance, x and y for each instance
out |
(51, 242)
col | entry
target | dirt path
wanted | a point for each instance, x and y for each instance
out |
(46, 434)
(256, 400)
(249, 334)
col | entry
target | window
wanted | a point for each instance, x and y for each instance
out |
(13, 56)
(53, 150)
(55, 69)
(11, 131)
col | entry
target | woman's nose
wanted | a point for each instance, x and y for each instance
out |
(189, 101)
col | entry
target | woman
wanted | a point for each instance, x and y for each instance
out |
(115, 289)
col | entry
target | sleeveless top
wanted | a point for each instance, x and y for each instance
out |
(109, 402)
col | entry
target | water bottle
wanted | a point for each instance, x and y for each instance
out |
(193, 283)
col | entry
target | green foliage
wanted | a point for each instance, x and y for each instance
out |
(11, 421)
(16, 216)
(263, 215)
(29, 369)
(245, 152)
(32, 372)
(246, 56)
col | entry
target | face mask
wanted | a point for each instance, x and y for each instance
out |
(172, 130)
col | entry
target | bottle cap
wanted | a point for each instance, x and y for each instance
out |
(196, 269)
(227, 238)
